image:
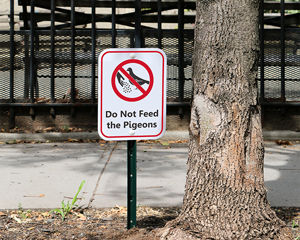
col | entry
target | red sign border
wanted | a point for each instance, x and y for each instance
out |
(113, 80)
(163, 94)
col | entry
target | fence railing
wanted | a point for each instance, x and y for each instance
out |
(279, 66)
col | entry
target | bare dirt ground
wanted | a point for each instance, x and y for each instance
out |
(82, 224)
(101, 223)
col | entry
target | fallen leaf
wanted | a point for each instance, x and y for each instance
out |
(81, 216)
(41, 100)
(14, 216)
(164, 143)
(73, 140)
(283, 142)
(48, 129)
(39, 218)
(45, 214)
(2, 214)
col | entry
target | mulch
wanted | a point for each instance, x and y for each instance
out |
(101, 223)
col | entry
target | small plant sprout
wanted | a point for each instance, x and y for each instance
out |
(22, 213)
(294, 224)
(66, 128)
(66, 208)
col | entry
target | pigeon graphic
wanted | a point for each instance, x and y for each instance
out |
(128, 86)
(139, 80)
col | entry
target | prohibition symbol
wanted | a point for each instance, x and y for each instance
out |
(130, 84)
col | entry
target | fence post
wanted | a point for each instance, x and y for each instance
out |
(159, 24)
(33, 68)
(181, 53)
(262, 53)
(26, 52)
(282, 46)
(262, 58)
(73, 52)
(113, 23)
(52, 82)
(52, 51)
(12, 63)
(32, 57)
(93, 89)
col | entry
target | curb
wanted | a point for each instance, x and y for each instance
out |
(169, 135)
(281, 135)
(56, 136)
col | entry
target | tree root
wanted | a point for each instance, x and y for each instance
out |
(175, 233)
(170, 233)
(285, 234)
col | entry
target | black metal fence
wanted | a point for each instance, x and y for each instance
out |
(279, 67)
(51, 61)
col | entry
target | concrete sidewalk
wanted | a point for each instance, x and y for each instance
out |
(42, 175)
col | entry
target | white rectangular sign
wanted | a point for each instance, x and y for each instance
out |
(132, 93)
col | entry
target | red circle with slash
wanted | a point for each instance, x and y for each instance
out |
(130, 78)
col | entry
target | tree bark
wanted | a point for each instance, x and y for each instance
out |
(225, 197)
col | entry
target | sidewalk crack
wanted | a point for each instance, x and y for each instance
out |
(101, 173)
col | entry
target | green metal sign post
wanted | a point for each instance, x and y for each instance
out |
(128, 119)
(131, 184)
(131, 144)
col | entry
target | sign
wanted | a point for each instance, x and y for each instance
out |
(132, 94)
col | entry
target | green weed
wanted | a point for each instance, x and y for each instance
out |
(22, 213)
(66, 128)
(67, 207)
(294, 224)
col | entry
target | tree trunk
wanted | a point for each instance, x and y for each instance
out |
(225, 197)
